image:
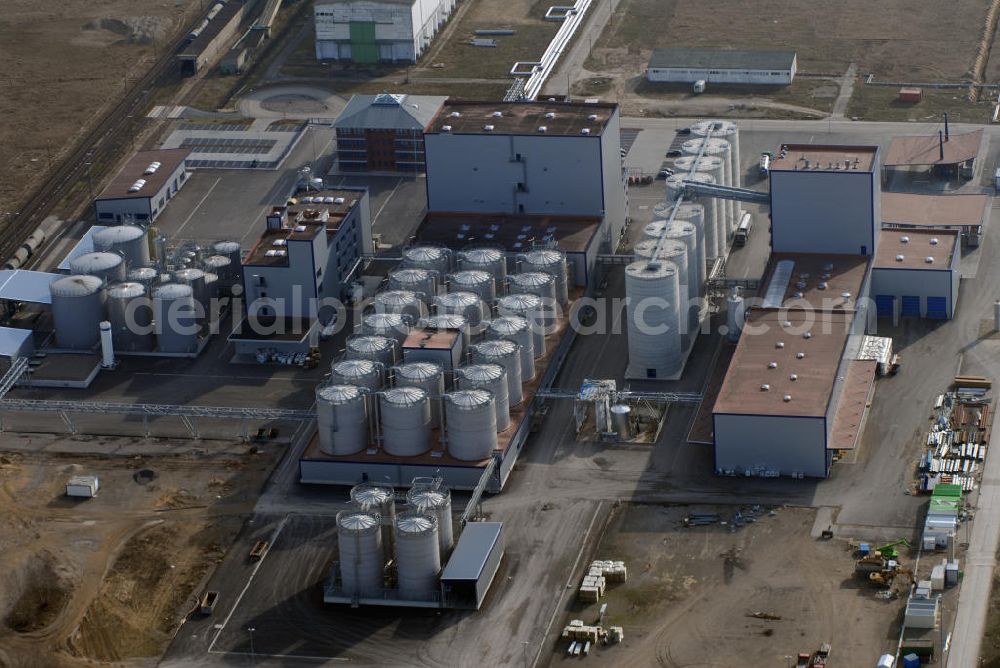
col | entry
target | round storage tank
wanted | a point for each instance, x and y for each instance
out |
(77, 311)
(715, 233)
(109, 267)
(735, 315)
(716, 167)
(341, 419)
(359, 546)
(435, 502)
(465, 304)
(490, 260)
(147, 276)
(379, 349)
(221, 266)
(231, 249)
(654, 338)
(535, 283)
(406, 421)
(723, 130)
(404, 302)
(128, 241)
(434, 258)
(676, 252)
(199, 286)
(448, 321)
(548, 261)
(471, 421)
(714, 146)
(530, 308)
(694, 215)
(508, 354)
(421, 281)
(428, 376)
(654, 230)
(130, 313)
(175, 318)
(687, 234)
(380, 499)
(390, 325)
(361, 373)
(476, 282)
(492, 377)
(621, 421)
(515, 328)
(418, 556)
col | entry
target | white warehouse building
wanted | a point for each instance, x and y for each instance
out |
(142, 188)
(372, 31)
(722, 66)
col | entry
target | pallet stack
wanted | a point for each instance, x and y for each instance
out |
(600, 573)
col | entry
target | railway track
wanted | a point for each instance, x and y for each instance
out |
(98, 147)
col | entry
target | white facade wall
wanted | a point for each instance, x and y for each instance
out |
(291, 287)
(402, 31)
(917, 282)
(781, 77)
(784, 444)
(824, 212)
(615, 181)
(150, 206)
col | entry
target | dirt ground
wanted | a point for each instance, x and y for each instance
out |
(690, 593)
(64, 63)
(111, 578)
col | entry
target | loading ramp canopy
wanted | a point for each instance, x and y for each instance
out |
(925, 150)
(21, 285)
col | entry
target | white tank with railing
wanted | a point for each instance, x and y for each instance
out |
(508, 354)
(531, 309)
(492, 260)
(359, 547)
(341, 419)
(360, 373)
(471, 422)
(492, 377)
(405, 418)
(466, 304)
(418, 556)
(437, 502)
(428, 376)
(548, 261)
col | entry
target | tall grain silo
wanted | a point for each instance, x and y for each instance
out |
(477, 282)
(175, 318)
(490, 260)
(421, 281)
(677, 253)
(130, 312)
(390, 325)
(715, 233)
(373, 498)
(466, 304)
(515, 328)
(715, 167)
(471, 422)
(405, 418)
(492, 377)
(380, 349)
(362, 373)
(428, 376)
(728, 131)
(531, 309)
(418, 555)
(77, 311)
(548, 261)
(341, 419)
(362, 557)
(652, 319)
(195, 278)
(508, 354)
(435, 502)
(721, 148)
(403, 302)
(435, 258)
(694, 214)
(128, 241)
(109, 267)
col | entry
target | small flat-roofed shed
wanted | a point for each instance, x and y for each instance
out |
(946, 155)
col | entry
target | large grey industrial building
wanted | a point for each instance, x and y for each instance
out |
(722, 66)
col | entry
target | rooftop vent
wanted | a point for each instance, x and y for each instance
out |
(550, 114)
(592, 117)
(338, 200)
(585, 131)
(905, 239)
(934, 241)
(786, 323)
(153, 166)
(300, 228)
(772, 365)
(488, 128)
(797, 295)
(845, 295)
(828, 267)
(800, 356)
(793, 377)
(821, 286)
(542, 128)
(807, 335)
(786, 398)
(497, 114)
(900, 257)
(455, 114)
(279, 242)
(779, 344)
(445, 128)
(929, 259)
(765, 387)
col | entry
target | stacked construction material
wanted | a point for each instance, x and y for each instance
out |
(956, 443)
(600, 573)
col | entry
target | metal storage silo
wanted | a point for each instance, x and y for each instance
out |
(435, 502)
(421, 281)
(405, 418)
(735, 315)
(491, 260)
(448, 321)
(654, 338)
(687, 234)
(199, 286)
(231, 249)
(535, 283)
(723, 130)
(418, 555)
(492, 377)
(221, 266)
(676, 252)
(147, 276)
(404, 302)
(341, 419)
(714, 146)
(130, 312)
(716, 167)
(175, 318)
(362, 373)
(715, 232)
(362, 559)
(694, 214)
(109, 267)
(515, 328)
(390, 325)
(508, 354)
(471, 422)
(435, 258)
(530, 308)
(380, 499)
(465, 304)
(653, 230)
(428, 376)
(476, 282)
(77, 311)
(548, 261)
(128, 241)
(379, 349)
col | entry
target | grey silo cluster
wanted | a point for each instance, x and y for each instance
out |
(341, 419)
(548, 261)
(729, 132)
(507, 354)
(405, 421)
(127, 241)
(478, 282)
(361, 373)
(362, 558)
(147, 276)
(77, 310)
(403, 302)
(130, 313)
(176, 317)
(530, 308)
(491, 377)
(448, 321)
(654, 339)
(434, 258)
(428, 376)
(491, 260)
(466, 304)
(391, 325)
(470, 416)
(716, 168)
(109, 267)
(715, 147)
(380, 349)
(435, 501)
(231, 250)
(424, 282)
(418, 555)
(515, 328)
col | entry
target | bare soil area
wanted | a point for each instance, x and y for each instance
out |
(692, 593)
(64, 64)
(111, 578)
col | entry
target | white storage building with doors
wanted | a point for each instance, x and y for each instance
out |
(373, 31)
(722, 66)
(141, 190)
(916, 275)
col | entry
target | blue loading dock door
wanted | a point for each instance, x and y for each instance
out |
(937, 308)
(911, 306)
(884, 305)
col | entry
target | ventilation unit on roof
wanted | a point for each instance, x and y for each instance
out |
(153, 166)
(488, 128)
(787, 397)
(793, 376)
(800, 356)
(445, 128)
(542, 128)
(455, 114)
(497, 114)
(279, 242)
(550, 114)
(772, 365)
(807, 335)
(779, 344)
(929, 259)
(797, 295)
(786, 323)
(137, 186)
(328, 200)
(900, 258)
(905, 239)
(765, 387)
(592, 117)
(934, 241)
(585, 131)
(300, 228)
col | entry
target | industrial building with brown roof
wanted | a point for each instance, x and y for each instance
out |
(929, 150)
(916, 249)
(555, 118)
(819, 157)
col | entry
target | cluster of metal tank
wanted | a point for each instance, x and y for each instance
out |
(26, 250)
(417, 540)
